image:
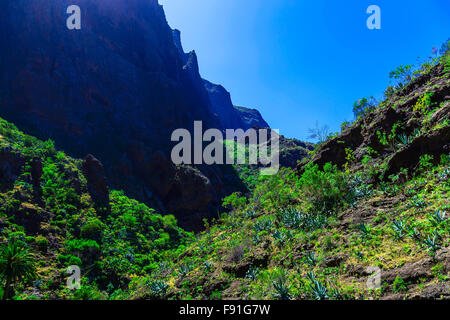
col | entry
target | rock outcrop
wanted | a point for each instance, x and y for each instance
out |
(96, 180)
(11, 164)
(422, 123)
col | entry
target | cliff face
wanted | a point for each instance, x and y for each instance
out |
(228, 115)
(120, 78)
(117, 88)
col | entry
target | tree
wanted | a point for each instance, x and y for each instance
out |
(319, 133)
(364, 106)
(16, 264)
(402, 75)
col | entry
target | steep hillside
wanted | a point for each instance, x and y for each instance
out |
(372, 201)
(62, 210)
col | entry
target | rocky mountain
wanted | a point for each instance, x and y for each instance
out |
(116, 89)
(230, 116)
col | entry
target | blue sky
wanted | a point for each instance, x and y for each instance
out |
(301, 61)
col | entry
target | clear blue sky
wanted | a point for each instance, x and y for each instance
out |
(301, 61)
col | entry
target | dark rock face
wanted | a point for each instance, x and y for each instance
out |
(334, 260)
(230, 116)
(117, 89)
(11, 165)
(410, 271)
(96, 180)
(252, 117)
(36, 174)
(435, 143)
(333, 151)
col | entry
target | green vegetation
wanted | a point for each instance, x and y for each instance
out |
(306, 233)
(16, 264)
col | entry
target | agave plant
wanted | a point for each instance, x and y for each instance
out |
(263, 225)
(279, 236)
(431, 244)
(311, 258)
(282, 290)
(291, 218)
(252, 273)
(184, 269)
(364, 229)
(438, 217)
(250, 214)
(403, 140)
(415, 234)
(418, 202)
(318, 289)
(399, 229)
(158, 288)
(444, 174)
(208, 266)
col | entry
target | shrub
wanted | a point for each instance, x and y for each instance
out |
(402, 75)
(319, 133)
(92, 229)
(364, 106)
(42, 243)
(326, 189)
(282, 289)
(234, 201)
(399, 285)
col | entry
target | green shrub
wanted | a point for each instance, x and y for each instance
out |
(325, 189)
(399, 285)
(92, 229)
(364, 106)
(42, 243)
(234, 201)
(402, 75)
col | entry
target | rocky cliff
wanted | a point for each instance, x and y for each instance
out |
(115, 89)
(229, 116)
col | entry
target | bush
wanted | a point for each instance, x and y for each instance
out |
(42, 243)
(402, 75)
(234, 201)
(92, 229)
(364, 106)
(326, 189)
(399, 285)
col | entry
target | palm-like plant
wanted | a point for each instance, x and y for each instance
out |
(16, 264)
